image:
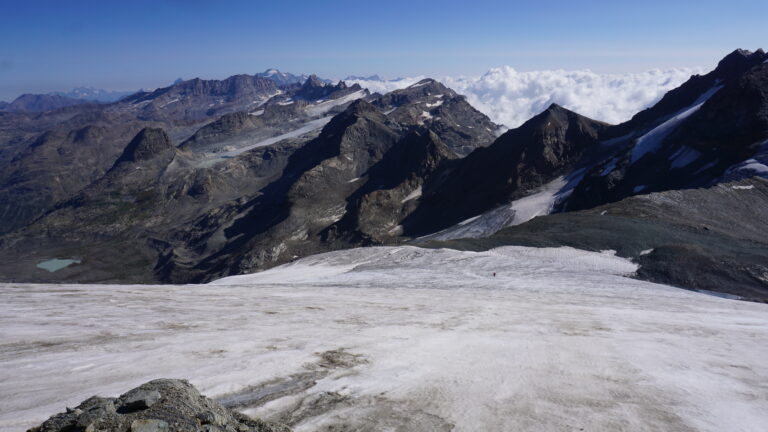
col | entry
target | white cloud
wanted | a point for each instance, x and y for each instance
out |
(510, 97)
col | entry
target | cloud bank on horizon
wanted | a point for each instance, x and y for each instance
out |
(510, 97)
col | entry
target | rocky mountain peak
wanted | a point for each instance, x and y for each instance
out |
(557, 120)
(313, 82)
(361, 107)
(553, 107)
(147, 144)
(425, 91)
(738, 62)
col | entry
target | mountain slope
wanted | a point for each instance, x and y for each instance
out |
(546, 147)
(197, 214)
(670, 146)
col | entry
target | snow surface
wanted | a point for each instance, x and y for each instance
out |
(757, 165)
(306, 128)
(323, 107)
(747, 187)
(651, 141)
(557, 340)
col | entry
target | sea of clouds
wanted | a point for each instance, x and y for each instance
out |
(510, 97)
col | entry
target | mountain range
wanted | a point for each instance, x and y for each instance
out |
(211, 178)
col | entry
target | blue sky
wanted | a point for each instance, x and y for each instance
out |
(57, 45)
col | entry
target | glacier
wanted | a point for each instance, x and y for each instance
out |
(514, 338)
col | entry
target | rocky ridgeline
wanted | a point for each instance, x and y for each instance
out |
(162, 405)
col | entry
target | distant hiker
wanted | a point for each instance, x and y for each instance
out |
(494, 274)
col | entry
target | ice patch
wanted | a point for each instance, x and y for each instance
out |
(757, 165)
(646, 252)
(610, 167)
(169, 102)
(639, 188)
(413, 195)
(324, 107)
(519, 211)
(684, 157)
(651, 141)
(306, 128)
(706, 167)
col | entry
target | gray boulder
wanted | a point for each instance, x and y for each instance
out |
(163, 405)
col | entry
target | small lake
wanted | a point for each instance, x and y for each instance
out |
(55, 264)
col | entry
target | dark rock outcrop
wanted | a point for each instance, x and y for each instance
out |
(162, 405)
(148, 144)
(545, 147)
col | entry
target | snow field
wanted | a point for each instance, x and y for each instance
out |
(558, 339)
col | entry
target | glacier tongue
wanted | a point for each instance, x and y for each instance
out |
(510, 339)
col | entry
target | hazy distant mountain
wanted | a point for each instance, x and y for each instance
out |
(41, 103)
(363, 78)
(94, 94)
(286, 78)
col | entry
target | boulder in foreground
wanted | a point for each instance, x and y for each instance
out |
(162, 405)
